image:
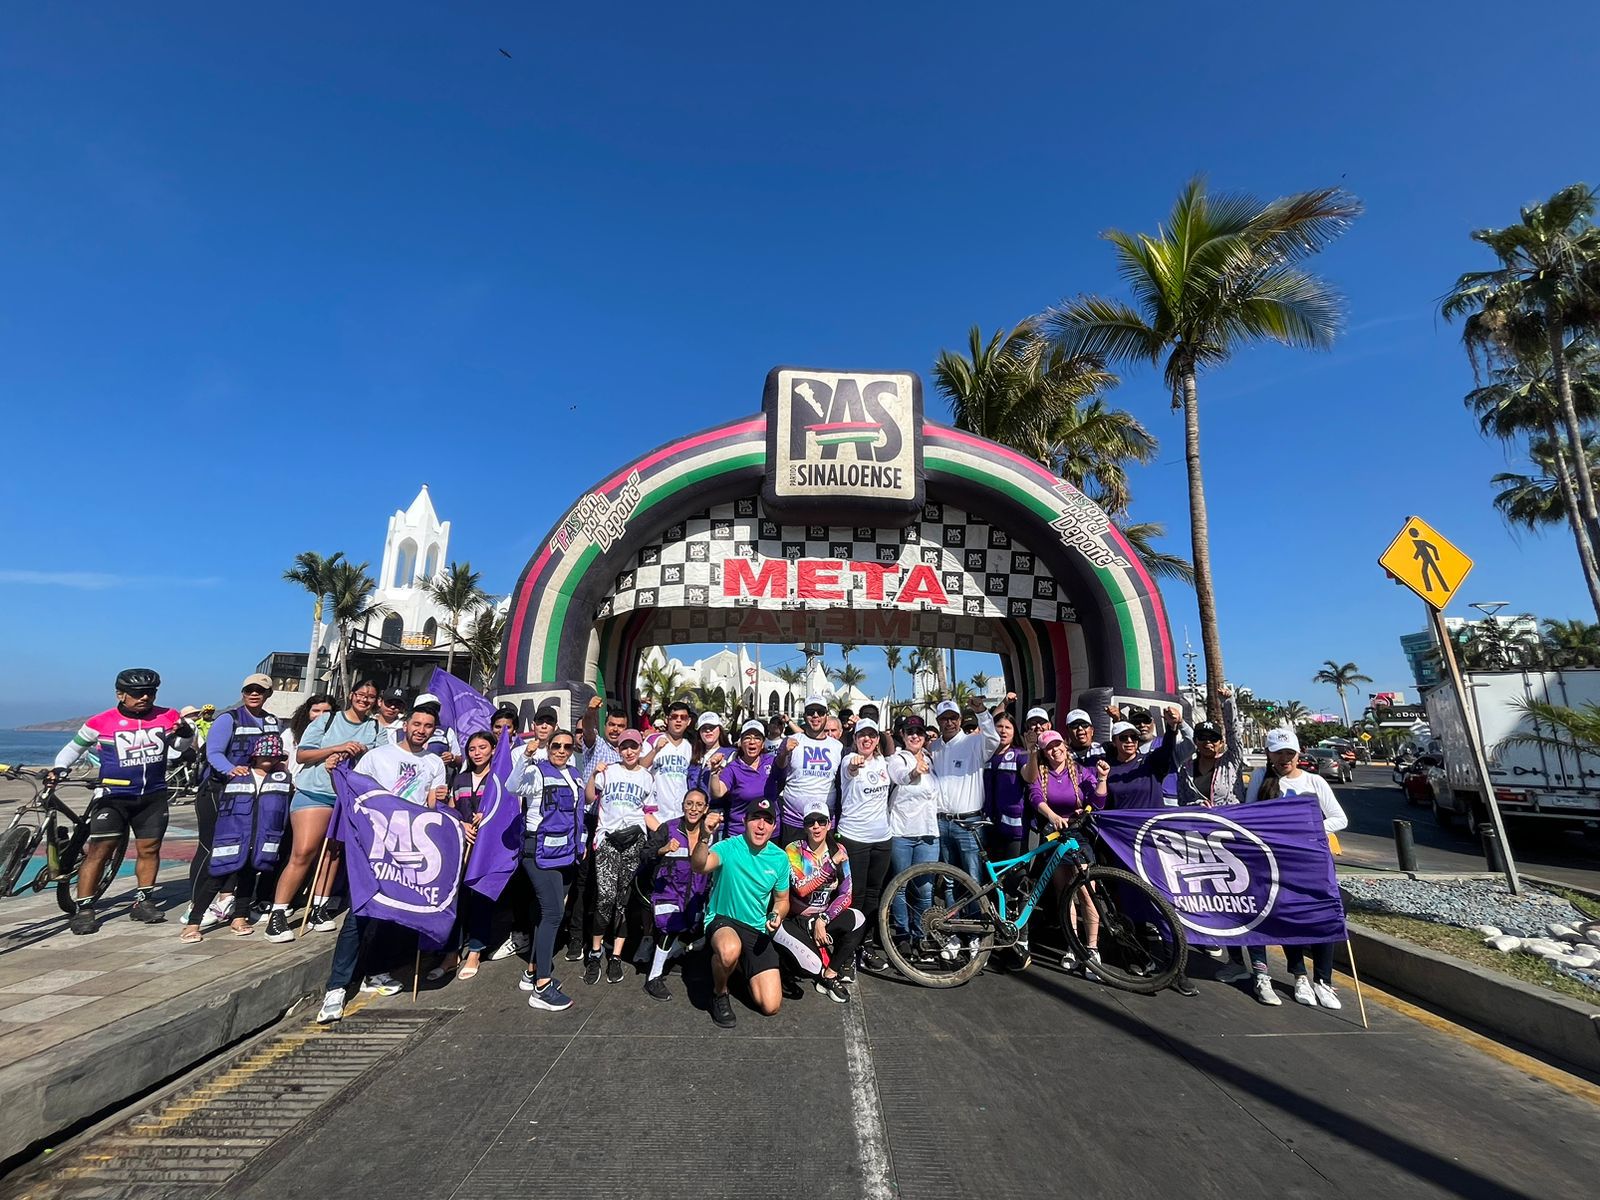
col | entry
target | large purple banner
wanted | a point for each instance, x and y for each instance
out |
(497, 853)
(462, 708)
(403, 860)
(1248, 873)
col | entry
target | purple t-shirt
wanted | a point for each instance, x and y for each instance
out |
(1065, 791)
(744, 783)
(1003, 789)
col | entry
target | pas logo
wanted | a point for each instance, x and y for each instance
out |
(1221, 877)
(140, 747)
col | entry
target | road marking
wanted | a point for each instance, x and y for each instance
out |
(1573, 1085)
(872, 1143)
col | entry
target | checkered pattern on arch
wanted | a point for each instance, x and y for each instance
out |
(984, 571)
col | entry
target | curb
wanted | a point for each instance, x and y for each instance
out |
(60, 1087)
(1565, 1029)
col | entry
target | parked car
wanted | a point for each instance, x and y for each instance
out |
(1331, 764)
(1423, 781)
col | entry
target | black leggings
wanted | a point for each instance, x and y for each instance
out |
(869, 871)
(846, 930)
(203, 886)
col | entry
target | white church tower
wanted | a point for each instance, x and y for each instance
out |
(415, 552)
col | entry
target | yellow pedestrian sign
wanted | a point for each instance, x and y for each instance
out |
(1425, 562)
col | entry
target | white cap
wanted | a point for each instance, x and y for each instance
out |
(752, 724)
(865, 725)
(947, 706)
(1038, 713)
(1079, 714)
(1124, 727)
(816, 702)
(709, 718)
(1281, 739)
(425, 698)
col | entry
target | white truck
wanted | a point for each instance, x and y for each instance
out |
(1557, 782)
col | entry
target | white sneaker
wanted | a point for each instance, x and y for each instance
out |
(382, 985)
(1217, 952)
(952, 948)
(332, 1007)
(1090, 964)
(1069, 962)
(1325, 995)
(1234, 973)
(1303, 993)
(1264, 990)
(218, 911)
(515, 946)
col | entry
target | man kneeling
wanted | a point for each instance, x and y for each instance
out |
(749, 900)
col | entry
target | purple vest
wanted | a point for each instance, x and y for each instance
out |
(251, 822)
(1004, 790)
(246, 729)
(676, 887)
(558, 842)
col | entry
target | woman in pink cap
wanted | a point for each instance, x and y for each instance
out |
(1061, 788)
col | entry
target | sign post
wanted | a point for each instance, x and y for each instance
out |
(1423, 560)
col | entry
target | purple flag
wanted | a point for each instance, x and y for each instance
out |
(461, 707)
(1244, 874)
(498, 850)
(403, 860)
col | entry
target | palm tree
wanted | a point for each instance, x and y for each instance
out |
(1580, 725)
(1342, 678)
(1221, 274)
(1572, 643)
(1141, 536)
(1293, 713)
(660, 685)
(792, 677)
(1547, 283)
(352, 589)
(456, 590)
(847, 677)
(709, 699)
(891, 660)
(482, 643)
(314, 573)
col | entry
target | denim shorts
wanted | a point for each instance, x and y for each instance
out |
(305, 800)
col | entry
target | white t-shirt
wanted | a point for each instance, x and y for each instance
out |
(623, 796)
(670, 768)
(959, 764)
(409, 776)
(1304, 784)
(813, 769)
(864, 800)
(913, 807)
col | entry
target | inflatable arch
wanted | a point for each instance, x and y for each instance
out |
(837, 515)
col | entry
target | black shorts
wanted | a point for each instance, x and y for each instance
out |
(144, 816)
(760, 952)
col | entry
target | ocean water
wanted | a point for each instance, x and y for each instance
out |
(31, 749)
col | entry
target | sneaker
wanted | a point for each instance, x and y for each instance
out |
(1303, 993)
(656, 989)
(218, 912)
(952, 948)
(614, 970)
(575, 952)
(332, 1007)
(834, 989)
(1089, 964)
(83, 920)
(1325, 995)
(722, 1011)
(146, 913)
(529, 982)
(1183, 987)
(515, 946)
(792, 989)
(321, 920)
(591, 969)
(1264, 990)
(550, 998)
(847, 974)
(383, 984)
(1069, 962)
(278, 927)
(1217, 952)
(1234, 973)
(873, 960)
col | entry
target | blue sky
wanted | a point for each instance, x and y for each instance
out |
(268, 271)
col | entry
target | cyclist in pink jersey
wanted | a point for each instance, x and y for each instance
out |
(131, 741)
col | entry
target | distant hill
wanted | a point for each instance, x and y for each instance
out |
(54, 726)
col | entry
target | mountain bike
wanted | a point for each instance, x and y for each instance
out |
(1141, 944)
(48, 818)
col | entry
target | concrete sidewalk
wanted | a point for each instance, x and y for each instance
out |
(88, 1022)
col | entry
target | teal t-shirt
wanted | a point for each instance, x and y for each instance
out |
(742, 887)
(324, 731)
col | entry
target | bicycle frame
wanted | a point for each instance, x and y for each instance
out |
(1056, 846)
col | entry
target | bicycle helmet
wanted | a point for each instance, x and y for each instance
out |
(137, 678)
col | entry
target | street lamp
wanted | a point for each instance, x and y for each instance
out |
(1496, 640)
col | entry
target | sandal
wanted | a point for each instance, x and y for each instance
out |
(466, 972)
(437, 974)
(191, 934)
(242, 928)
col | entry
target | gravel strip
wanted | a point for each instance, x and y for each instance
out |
(1463, 902)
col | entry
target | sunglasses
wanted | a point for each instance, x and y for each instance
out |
(139, 693)
(561, 745)
(1126, 737)
(1206, 737)
(816, 712)
(253, 690)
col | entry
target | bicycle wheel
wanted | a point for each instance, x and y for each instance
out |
(931, 959)
(1141, 941)
(16, 848)
(72, 858)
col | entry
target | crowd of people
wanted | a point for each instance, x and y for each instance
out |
(765, 848)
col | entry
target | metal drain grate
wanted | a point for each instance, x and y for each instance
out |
(192, 1142)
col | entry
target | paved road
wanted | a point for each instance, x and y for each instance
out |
(1027, 1085)
(1373, 801)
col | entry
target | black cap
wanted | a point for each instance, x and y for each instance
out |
(913, 725)
(1207, 731)
(761, 808)
(546, 714)
(394, 695)
(1140, 715)
(870, 710)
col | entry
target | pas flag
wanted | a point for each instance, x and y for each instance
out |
(497, 852)
(1240, 875)
(462, 708)
(403, 860)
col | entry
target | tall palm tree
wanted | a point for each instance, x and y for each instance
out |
(1293, 713)
(1141, 536)
(1572, 643)
(1222, 273)
(847, 677)
(352, 590)
(1538, 500)
(980, 684)
(891, 660)
(314, 573)
(456, 590)
(792, 678)
(1341, 677)
(1547, 284)
(482, 641)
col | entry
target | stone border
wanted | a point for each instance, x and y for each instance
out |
(1563, 1028)
(56, 1089)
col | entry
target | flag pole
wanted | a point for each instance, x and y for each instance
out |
(311, 888)
(1355, 975)
(416, 971)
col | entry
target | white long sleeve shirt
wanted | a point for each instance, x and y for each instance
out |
(959, 765)
(1304, 784)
